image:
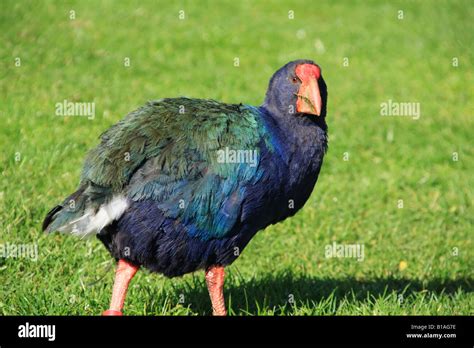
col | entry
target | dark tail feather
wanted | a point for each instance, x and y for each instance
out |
(50, 216)
(69, 216)
(58, 210)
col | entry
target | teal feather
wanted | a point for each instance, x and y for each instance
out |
(167, 151)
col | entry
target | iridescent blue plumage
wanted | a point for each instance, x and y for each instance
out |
(190, 203)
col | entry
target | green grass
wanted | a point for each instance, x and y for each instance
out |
(355, 201)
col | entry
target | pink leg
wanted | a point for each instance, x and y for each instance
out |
(215, 285)
(124, 273)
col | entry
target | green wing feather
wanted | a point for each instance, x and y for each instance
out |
(167, 151)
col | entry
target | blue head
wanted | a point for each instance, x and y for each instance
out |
(297, 88)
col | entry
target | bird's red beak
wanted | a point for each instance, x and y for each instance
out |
(309, 96)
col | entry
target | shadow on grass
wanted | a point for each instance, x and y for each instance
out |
(274, 291)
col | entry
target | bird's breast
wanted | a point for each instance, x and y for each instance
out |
(290, 170)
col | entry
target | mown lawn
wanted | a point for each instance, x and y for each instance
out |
(400, 187)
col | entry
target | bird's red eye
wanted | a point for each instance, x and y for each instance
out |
(294, 79)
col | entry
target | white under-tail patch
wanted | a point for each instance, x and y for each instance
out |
(91, 223)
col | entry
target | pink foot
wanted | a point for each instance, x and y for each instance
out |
(111, 312)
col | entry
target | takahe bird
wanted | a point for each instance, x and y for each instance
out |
(184, 184)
